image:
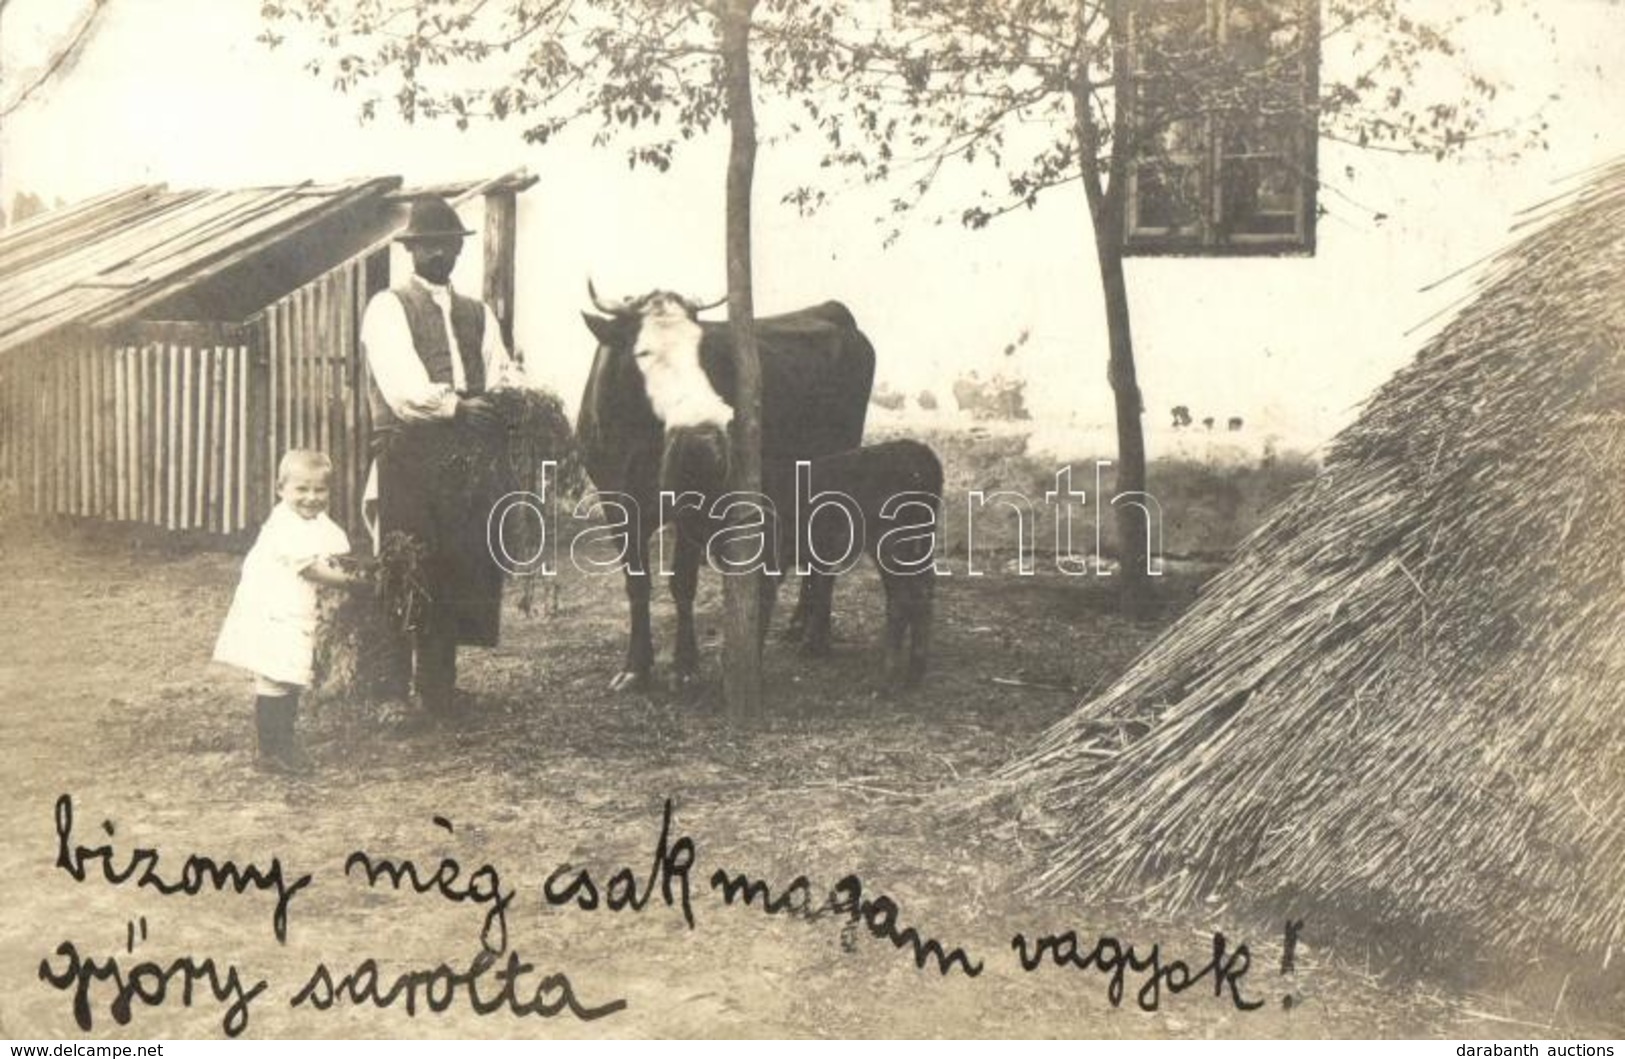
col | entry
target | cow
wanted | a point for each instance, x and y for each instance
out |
(883, 500)
(660, 375)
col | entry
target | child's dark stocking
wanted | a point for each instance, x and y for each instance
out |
(265, 729)
(292, 754)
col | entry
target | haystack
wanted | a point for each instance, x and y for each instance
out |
(1403, 703)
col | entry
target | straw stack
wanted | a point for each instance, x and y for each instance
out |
(1403, 703)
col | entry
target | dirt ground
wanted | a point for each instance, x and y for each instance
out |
(109, 698)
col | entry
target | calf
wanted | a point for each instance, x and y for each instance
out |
(884, 500)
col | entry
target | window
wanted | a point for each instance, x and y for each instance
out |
(1222, 118)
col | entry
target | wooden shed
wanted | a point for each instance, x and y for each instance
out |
(159, 349)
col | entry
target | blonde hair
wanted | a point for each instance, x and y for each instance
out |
(307, 460)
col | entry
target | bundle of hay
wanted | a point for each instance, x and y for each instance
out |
(1403, 704)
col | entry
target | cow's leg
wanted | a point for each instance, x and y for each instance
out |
(920, 589)
(896, 628)
(684, 582)
(817, 599)
(768, 594)
(640, 652)
(795, 631)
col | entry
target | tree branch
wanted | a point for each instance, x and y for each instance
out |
(59, 60)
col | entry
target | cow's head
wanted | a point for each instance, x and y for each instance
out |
(659, 333)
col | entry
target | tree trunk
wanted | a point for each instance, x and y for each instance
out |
(741, 648)
(1132, 550)
(1105, 192)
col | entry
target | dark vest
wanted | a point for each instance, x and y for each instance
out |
(428, 329)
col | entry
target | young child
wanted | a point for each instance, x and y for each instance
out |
(271, 628)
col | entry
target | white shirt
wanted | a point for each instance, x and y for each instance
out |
(399, 372)
(404, 382)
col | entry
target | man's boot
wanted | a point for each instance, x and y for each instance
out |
(436, 674)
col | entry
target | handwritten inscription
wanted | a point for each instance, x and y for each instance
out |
(483, 886)
(672, 861)
(197, 873)
(150, 983)
(497, 980)
(845, 899)
(1115, 959)
(438, 988)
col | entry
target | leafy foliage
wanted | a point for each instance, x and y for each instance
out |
(647, 72)
(1032, 94)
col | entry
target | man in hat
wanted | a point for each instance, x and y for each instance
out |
(433, 355)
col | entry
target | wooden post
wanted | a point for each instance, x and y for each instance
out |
(257, 419)
(501, 236)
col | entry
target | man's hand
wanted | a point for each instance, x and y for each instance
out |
(476, 412)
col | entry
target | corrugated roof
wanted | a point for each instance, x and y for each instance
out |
(102, 261)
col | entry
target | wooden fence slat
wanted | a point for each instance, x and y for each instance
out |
(121, 479)
(172, 420)
(219, 441)
(205, 435)
(8, 429)
(53, 390)
(215, 443)
(290, 341)
(188, 438)
(162, 411)
(127, 472)
(60, 426)
(344, 422)
(62, 458)
(308, 365)
(206, 438)
(313, 365)
(70, 458)
(316, 357)
(290, 347)
(41, 438)
(307, 368)
(138, 466)
(244, 385)
(149, 418)
(138, 426)
(14, 431)
(132, 427)
(93, 381)
(110, 362)
(273, 379)
(228, 438)
(257, 421)
(48, 435)
(201, 442)
(36, 443)
(200, 437)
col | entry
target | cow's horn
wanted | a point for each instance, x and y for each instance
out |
(603, 306)
(696, 308)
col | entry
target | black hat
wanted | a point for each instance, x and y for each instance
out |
(432, 218)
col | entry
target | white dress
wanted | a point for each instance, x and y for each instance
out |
(271, 628)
